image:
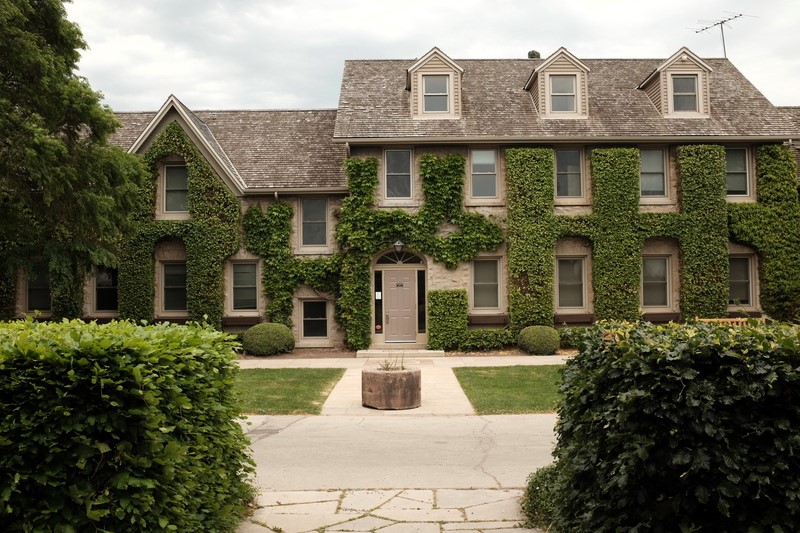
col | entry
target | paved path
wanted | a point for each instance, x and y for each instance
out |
(438, 468)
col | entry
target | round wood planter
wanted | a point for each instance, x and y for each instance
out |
(391, 389)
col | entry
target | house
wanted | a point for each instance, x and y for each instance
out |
(557, 190)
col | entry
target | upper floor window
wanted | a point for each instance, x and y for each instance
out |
(38, 288)
(684, 93)
(245, 286)
(484, 174)
(655, 282)
(314, 227)
(485, 284)
(435, 93)
(736, 171)
(568, 174)
(176, 189)
(570, 282)
(398, 173)
(563, 91)
(105, 289)
(651, 173)
(174, 286)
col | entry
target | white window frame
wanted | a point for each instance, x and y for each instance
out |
(233, 287)
(584, 305)
(752, 279)
(749, 196)
(700, 101)
(473, 306)
(668, 287)
(472, 174)
(583, 199)
(667, 196)
(575, 94)
(448, 94)
(161, 200)
(303, 223)
(410, 176)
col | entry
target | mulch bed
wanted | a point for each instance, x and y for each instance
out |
(342, 353)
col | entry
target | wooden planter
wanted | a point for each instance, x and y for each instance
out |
(391, 389)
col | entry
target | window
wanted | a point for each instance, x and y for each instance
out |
(176, 189)
(38, 288)
(684, 92)
(736, 169)
(739, 292)
(568, 173)
(484, 174)
(562, 93)
(315, 230)
(245, 287)
(315, 318)
(570, 282)
(655, 282)
(174, 286)
(398, 173)
(651, 174)
(485, 281)
(435, 95)
(105, 289)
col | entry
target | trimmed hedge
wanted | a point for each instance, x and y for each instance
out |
(539, 340)
(448, 325)
(681, 428)
(119, 427)
(267, 338)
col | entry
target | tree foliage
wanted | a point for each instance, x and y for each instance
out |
(65, 194)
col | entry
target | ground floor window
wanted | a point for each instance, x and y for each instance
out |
(315, 318)
(485, 284)
(570, 282)
(38, 288)
(175, 287)
(245, 287)
(739, 286)
(105, 289)
(655, 282)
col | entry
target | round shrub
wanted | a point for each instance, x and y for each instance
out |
(539, 501)
(267, 338)
(539, 340)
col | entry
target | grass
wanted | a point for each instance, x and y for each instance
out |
(501, 390)
(286, 391)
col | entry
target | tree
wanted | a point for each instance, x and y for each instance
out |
(65, 194)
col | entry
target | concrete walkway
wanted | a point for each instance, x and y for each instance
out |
(438, 468)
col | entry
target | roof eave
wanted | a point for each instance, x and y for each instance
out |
(561, 139)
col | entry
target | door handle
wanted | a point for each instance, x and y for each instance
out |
(387, 317)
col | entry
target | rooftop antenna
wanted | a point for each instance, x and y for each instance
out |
(721, 24)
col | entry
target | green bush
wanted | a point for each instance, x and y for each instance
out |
(447, 318)
(478, 340)
(539, 499)
(267, 338)
(681, 428)
(119, 427)
(572, 336)
(539, 340)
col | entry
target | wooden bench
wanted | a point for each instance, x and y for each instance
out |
(743, 321)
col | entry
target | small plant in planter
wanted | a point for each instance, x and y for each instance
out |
(391, 386)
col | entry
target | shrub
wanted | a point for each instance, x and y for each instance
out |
(681, 428)
(267, 339)
(475, 340)
(447, 318)
(118, 427)
(572, 336)
(539, 340)
(539, 499)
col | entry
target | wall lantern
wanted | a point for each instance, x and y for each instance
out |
(398, 246)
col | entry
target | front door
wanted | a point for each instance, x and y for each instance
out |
(400, 320)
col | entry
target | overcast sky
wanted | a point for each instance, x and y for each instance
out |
(289, 54)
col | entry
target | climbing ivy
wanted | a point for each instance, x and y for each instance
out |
(210, 235)
(617, 231)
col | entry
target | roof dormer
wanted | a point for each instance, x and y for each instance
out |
(559, 86)
(679, 86)
(435, 85)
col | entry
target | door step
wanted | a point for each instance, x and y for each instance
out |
(391, 354)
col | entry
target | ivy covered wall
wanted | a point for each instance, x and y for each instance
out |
(617, 232)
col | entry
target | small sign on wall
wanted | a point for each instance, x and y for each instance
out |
(378, 295)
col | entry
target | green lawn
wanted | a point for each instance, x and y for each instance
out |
(500, 390)
(286, 391)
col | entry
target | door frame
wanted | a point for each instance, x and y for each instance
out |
(378, 337)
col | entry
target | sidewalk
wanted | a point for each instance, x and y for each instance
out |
(438, 468)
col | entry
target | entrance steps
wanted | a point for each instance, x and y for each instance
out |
(395, 353)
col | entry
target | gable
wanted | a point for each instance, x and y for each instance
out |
(435, 83)
(561, 76)
(680, 86)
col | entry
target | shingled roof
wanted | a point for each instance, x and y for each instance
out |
(374, 104)
(270, 150)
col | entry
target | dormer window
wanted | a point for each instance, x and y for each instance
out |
(684, 92)
(562, 93)
(435, 93)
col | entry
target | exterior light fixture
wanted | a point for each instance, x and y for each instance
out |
(398, 246)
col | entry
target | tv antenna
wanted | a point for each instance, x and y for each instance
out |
(721, 24)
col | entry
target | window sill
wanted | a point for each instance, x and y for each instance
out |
(160, 215)
(480, 202)
(500, 319)
(740, 199)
